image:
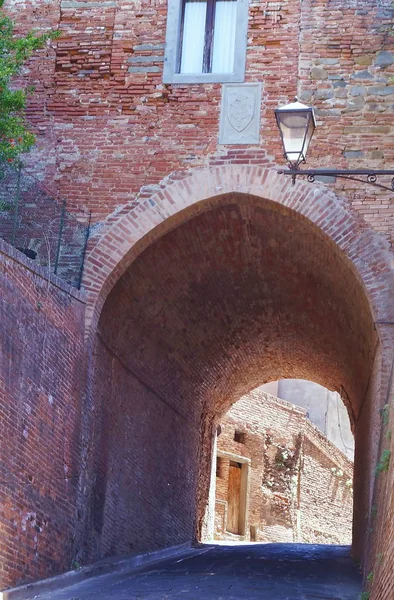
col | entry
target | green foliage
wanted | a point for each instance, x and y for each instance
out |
(379, 558)
(365, 595)
(4, 206)
(15, 138)
(370, 577)
(384, 462)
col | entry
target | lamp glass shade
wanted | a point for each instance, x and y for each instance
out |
(296, 124)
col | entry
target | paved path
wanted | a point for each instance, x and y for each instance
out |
(258, 571)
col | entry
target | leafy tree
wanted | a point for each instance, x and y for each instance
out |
(15, 137)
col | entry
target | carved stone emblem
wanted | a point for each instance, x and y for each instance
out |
(240, 114)
(240, 109)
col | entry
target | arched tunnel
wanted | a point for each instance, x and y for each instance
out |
(242, 294)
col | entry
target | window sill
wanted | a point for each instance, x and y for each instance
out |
(182, 78)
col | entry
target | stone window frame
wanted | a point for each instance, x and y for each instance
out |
(170, 74)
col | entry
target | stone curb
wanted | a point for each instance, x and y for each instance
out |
(103, 567)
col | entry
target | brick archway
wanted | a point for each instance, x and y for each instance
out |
(182, 197)
(166, 376)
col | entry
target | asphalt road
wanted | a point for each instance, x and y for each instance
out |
(254, 571)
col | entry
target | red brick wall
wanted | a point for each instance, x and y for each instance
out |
(41, 380)
(379, 516)
(106, 138)
(225, 301)
(139, 491)
(97, 120)
(300, 483)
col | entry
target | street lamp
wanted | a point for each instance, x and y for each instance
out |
(296, 123)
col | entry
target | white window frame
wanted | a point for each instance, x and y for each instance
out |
(170, 74)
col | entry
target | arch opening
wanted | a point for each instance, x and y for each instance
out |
(247, 292)
(282, 468)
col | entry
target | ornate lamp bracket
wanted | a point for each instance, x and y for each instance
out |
(368, 176)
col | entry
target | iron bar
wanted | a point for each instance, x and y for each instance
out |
(24, 229)
(352, 174)
(16, 206)
(85, 245)
(59, 241)
(336, 172)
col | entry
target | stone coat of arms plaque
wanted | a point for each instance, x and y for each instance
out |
(240, 114)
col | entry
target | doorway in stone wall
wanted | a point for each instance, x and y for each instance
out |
(235, 470)
(234, 498)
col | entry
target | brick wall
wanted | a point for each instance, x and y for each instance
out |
(300, 483)
(218, 304)
(108, 136)
(41, 380)
(379, 516)
(56, 239)
(140, 439)
(100, 113)
(326, 491)
(139, 491)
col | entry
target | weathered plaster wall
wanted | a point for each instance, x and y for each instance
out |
(41, 384)
(300, 487)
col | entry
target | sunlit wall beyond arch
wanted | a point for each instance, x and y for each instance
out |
(276, 477)
(324, 408)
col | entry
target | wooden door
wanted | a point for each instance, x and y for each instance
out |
(234, 497)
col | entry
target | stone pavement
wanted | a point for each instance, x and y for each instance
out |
(218, 572)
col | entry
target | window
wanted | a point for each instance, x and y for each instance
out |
(206, 41)
(239, 436)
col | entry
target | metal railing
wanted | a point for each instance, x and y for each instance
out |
(39, 225)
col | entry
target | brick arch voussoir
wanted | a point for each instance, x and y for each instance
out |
(181, 197)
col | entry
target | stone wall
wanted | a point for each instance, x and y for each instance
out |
(41, 386)
(300, 484)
